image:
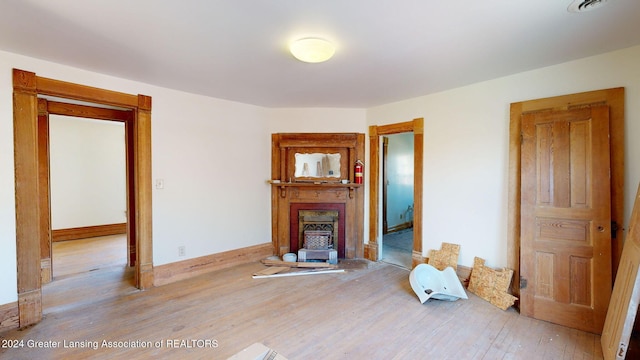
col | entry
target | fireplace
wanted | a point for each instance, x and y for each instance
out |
(313, 188)
(314, 217)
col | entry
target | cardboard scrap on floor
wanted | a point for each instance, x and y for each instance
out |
(491, 285)
(257, 351)
(446, 256)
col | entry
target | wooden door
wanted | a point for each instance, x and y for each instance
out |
(623, 308)
(566, 217)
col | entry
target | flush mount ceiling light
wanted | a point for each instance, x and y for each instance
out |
(312, 50)
(578, 6)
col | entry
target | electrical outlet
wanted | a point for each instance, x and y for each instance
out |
(401, 216)
(182, 251)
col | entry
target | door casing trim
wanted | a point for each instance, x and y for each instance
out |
(417, 127)
(26, 88)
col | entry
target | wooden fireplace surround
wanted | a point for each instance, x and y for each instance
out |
(286, 189)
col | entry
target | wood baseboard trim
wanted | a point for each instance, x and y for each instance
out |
(30, 307)
(371, 251)
(464, 274)
(180, 270)
(417, 258)
(88, 232)
(9, 316)
(400, 227)
(46, 273)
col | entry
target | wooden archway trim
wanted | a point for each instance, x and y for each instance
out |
(417, 127)
(26, 88)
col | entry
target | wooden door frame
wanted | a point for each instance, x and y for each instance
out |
(417, 127)
(46, 108)
(26, 88)
(385, 148)
(614, 98)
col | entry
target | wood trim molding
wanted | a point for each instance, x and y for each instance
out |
(88, 231)
(25, 116)
(66, 109)
(9, 317)
(417, 127)
(26, 87)
(181, 270)
(615, 99)
(44, 188)
(400, 227)
(73, 91)
(371, 251)
(142, 194)
(30, 305)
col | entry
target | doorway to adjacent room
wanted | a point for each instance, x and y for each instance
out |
(397, 199)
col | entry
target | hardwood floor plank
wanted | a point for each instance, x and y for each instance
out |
(368, 312)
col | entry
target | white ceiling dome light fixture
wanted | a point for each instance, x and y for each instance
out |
(578, 6)
(312, 49)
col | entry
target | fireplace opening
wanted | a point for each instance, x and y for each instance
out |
(317, 223)
(316, 227)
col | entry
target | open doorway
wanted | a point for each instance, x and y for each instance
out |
(33, 222)
(373, 249)
(88, 201)
(397, 199)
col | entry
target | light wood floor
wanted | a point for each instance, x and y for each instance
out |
(368, 312)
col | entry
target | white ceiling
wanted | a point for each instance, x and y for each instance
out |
(387, 50)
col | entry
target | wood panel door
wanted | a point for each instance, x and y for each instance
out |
(621, 316)
(566, 217)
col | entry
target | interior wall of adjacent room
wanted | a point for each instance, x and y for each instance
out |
(399, 179)
(87, 171)
(466, 137)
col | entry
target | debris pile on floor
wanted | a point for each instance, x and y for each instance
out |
(279, 268)
(435, 279)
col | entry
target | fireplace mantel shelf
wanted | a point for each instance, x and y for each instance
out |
(311, 184)
(285, 185)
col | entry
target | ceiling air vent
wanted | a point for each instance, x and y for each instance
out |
(578, 6)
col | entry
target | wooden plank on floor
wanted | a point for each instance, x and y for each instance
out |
(299, 264)
(299, 273)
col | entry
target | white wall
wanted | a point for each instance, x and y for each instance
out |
(8, 278)
(88, 172)
(317, 120)
(466, 134)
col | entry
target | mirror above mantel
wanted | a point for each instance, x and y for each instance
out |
(317, 165)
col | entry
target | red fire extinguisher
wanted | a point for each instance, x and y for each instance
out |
(359, 172)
